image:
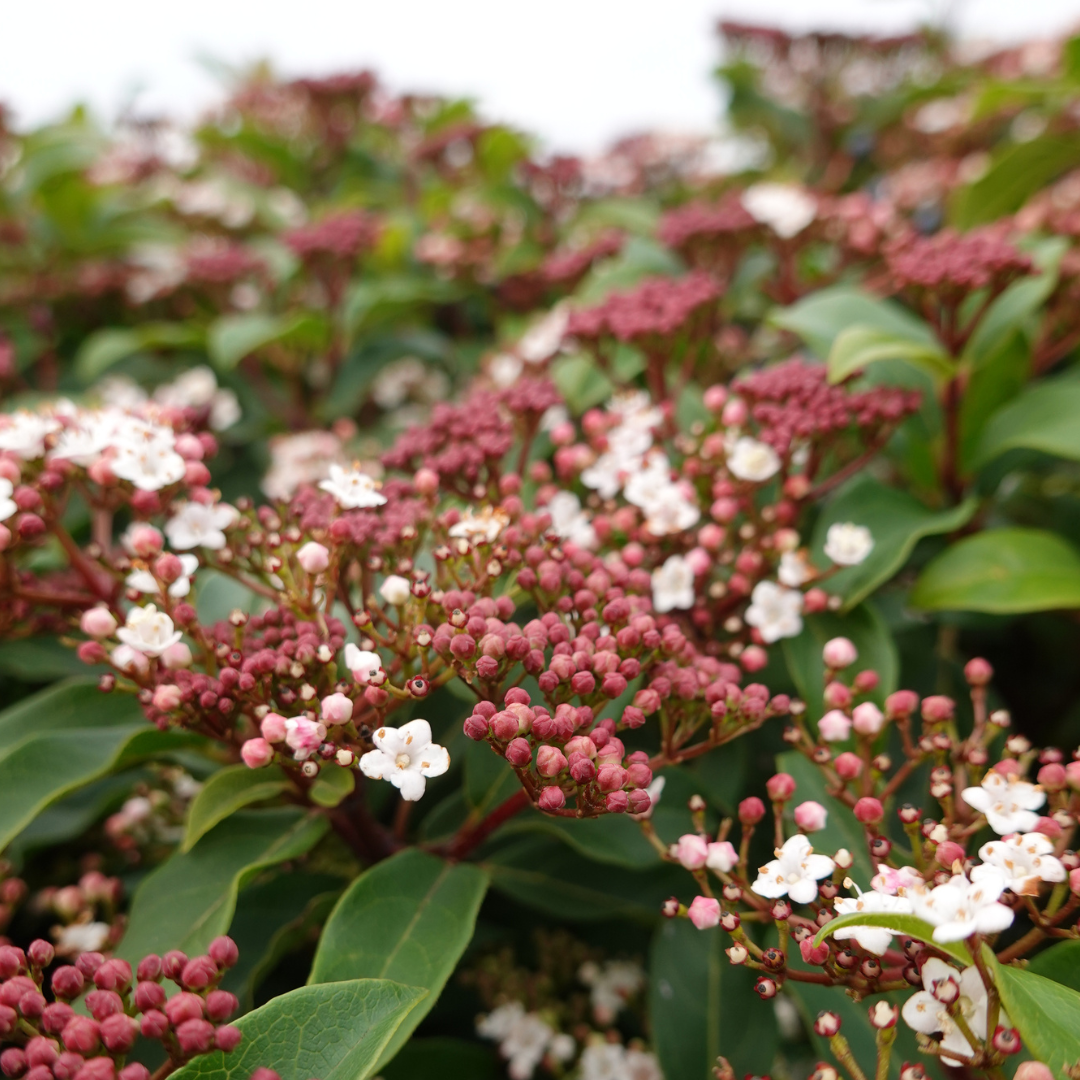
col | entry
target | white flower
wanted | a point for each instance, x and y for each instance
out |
(794, 872)
(395, 590)
(303, 458)
(961, 908)
(145, 455)
(794, 569)
(895, 880)
(130, 660)
(224, 410)
(192, 389)
(523, 1037)
(753, 460)
(611, 986)
(875, 939)
(544, 339)
(504, 369)
(199, 525)
(922, 1012)
(145, 582)
(484, 527)
(673, 584)
(405, 756)
(7, 503)
(776, 612)
(785, 208)
(627, 445)
(569, 521)
(363, 665)
(83, 937)
(353, 489)
(23, 433)
(1008, 803)
(148, 631)
(847, 544)
(669, 507)
(1023, 860)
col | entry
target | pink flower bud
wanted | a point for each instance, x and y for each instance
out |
(313, 557)
(41, 953)
(753, 658)
(135, 1071)
(949, 852)
(13, 1062)
(550, 761)
(220, 1005)
(839, 653)
(1053, 777)
(780, 787)
(902, 703)
(580, 744)
(303, 736)
(426, 481)
(67, 1065)
(476, 727)
(519, 753)
(149, 995)
(869, 810)
(551, 798)
(154, 1024)
(41, 1051)
(618, 802)
(692, 850)
(751, 810)
(704, 912)
(9, 1019)
(97, 622)
(610, 777)
(118, 1033)
(257, 753)
(177, 657)
(814, 955)
(53, 1018)
(638, 801)
(80, 1035)
(1033, 1070)
(199, 973)
(867, 719)
(195, 1036)
(811, 816)
(224, 952)
(228, 1038)
(273, 727)
(182, 1007)
(938, 708)
(505, 726)
(336, 709)
(848, 766)
(67, 982)
(837, 696)
(1074, 880)
(834, 726)
(978, 671)
(647, 700)
(167, 697)
(143, 540)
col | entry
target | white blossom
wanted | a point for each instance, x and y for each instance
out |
(143, 581)
(198, 525)
(794, 569)
(24, 433)
(569, 521)
(395, 590)
(302, 458)
(406, 757)
(1023, 860)
(960, 908)
(1008, 802)
(83, 937)
(145, 454)
(483, 527)
(611, 986)
(848, 544)
(794, 872)
(148, 631)
(364, 665)
(875, 939)
(753, 460)
(7, 503)
(544, 338)
(198, 388)
(784, 208)
(776, 612)
(611, 1061)
(669, 507)
(353, 489)
(524, 1038)
(673, 584)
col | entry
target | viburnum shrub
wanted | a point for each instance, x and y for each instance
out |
(418, 555)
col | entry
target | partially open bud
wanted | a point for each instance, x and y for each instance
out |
(704, 912)
(257, 753)
(827, 1024)
(313, 557)
(98, 622)
(811, 816)
(883, 1015)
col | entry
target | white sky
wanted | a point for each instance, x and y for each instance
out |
(577, 72)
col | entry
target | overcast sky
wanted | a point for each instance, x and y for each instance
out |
(577, 72)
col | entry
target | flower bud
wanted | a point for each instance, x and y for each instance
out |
(692, 850)
(1033, 1070)
(812, 954)
(837, 696)
(839, 653)
(336, 709)
(41, 1051)
(195, 1036)
(314, 558)
(1053, 777)
(901, 704)
(519, 753)
(13, 1062)
(97, 622)
(618, 802)
(949, 852)
(704, 912)
(848, 766)
(154, 1024)
(41, 953)
(780, 787)
(751, 810)
(183, 1006)
(978, 672)
(67, 982)
(118, 1033)
(135, 1071)
(811, 816)
(869, 810)
(223, 951)
(551, 798)
(883, 1015)
(220, 1005)
(149, 968)
(827, 1024)
(80, 1035)
(550, 761)
(834, 726)
(867, 719)
(227, 1038)
(256, 753)
(610, 777)
(937, 708)
(149, 995)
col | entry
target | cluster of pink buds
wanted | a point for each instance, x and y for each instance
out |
(47, 1039)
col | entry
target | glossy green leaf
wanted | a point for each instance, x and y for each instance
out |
(447, 1059)
(190, 898)
(104, 348)
(611, 838)
(998, 380)
(333, 785)
(897, 520)
(227, 791)
(701, 1006)
(489, 779)
(1046, 1014)
(408, 918)
(232, 337)
(822, 316)
(61, 739)
(334, 1032)
(860, 346)
(1043, 417)
(42, 659)
(907, 925)
(1060, 962)
(865, 628)
(1002, 571)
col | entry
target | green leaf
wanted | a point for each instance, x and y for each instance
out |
(489, 778)
(333, 785)
(865, 628)
(104, 348)
(998, 380)
(190, 898)
(907, 925)
(42, 659)
(701, 1006)
(333, 1032)
(1004, 572)
(408, 918)
(1042, 418)
(841, 829)
(820, 318)
(232, 337)
(378, 301)
(1046, 1014)
(1060, 962)
(55, 742)
(227, 791)
(859, 346)
(448, 1059)
(612, 838)
(897, 520)
(581, 383)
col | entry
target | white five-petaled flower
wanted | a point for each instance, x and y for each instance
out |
(924, 1013)
(7, 503)
(23, 433)
(198, 525)
(1008, 803)
(785, 208)
(776, 612)
(569, 521)
(148, 631)
(794, 872)
(484, 527)
(848, 544)
(145, 454)
(669, 506)
(406, 757)
(1023, 860)
(364, 665)
(753, 460)
(145, 582)
(353, 489)
(875, 939)
(960, 908)
(673, 584)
